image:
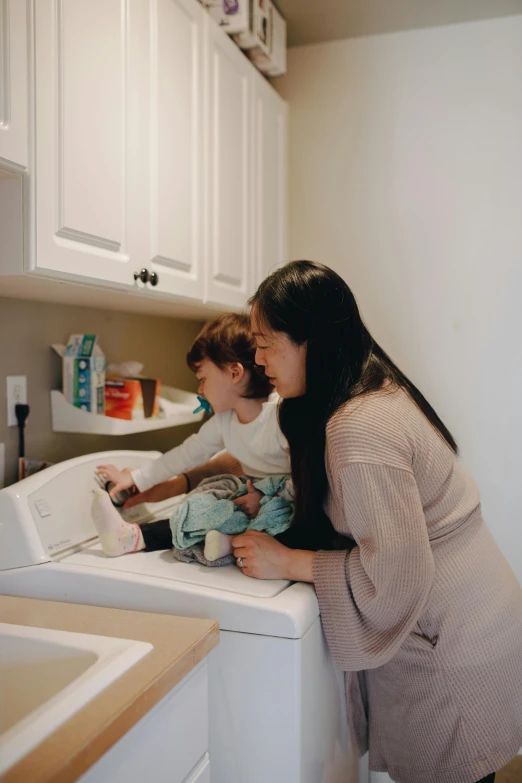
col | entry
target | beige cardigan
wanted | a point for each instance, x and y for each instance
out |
(423, 613)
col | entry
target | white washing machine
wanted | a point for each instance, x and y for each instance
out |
(276, 710)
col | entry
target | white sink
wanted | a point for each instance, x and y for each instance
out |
(47, 676)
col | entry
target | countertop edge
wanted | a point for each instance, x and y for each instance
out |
(56, 759)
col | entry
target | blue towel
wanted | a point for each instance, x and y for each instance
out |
(210, 507)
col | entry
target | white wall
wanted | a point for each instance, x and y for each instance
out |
(406, 176)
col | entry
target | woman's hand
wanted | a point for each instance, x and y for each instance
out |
(122, 479)
(262, 557)
(251, 502)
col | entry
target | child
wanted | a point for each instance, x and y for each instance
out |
(245, 423)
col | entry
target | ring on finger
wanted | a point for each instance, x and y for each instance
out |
(240, 562)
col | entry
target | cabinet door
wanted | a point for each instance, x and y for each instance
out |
(168, 745)
(229, 235)
(88, 81)
(177, 146)
(13, 86)
(269, 202)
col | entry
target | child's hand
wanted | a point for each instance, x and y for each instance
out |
(122, 479)
(251, 502)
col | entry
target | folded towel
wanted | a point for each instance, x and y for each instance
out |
(195, 554)
(210, 507)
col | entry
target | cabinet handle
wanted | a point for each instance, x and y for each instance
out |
(142, 275)
(154, 279)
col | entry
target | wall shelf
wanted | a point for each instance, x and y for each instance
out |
(178, 404)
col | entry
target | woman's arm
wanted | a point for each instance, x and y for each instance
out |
(222, 463)
(372, 596)
(266, 558)
(301, 565)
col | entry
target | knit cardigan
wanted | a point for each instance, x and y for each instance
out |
(421, 611)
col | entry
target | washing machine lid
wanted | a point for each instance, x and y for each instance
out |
(163, 565)
(155, 582)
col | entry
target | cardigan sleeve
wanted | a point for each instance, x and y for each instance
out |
(371, 597)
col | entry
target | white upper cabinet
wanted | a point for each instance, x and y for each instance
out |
(87, 126)
(177, 146)
(13, 86)
(153, 144)
(269, 182)
(229, 234)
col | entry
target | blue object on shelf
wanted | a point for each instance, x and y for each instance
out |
(204, 405)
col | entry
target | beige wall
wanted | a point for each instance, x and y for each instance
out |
(405, 174)
(27, 329)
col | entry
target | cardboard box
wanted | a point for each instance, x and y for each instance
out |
(232, 16)
(258, 33)
(258, 27)
(84, 373)
(132, 398)
(249, 21)
(273, 62)
(278, 53)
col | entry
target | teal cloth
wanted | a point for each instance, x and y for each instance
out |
(191, 520)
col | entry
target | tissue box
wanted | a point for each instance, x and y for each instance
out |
(132, 398)
(84, 373)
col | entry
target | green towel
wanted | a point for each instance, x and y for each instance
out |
(210, 507)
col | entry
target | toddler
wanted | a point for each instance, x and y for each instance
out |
(244, 422)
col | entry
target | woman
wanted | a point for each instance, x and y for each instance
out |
(419, 607)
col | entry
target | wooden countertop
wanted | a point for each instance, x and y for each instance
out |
(180, 643)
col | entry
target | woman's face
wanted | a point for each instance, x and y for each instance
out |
(283, 361)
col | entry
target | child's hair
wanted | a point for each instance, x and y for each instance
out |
(228, 339)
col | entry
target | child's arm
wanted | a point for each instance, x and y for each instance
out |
(196, 450)
(224, 463)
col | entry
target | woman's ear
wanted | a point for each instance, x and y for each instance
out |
(237, 372)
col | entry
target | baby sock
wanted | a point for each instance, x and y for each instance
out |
(117, 537)
(217, 545)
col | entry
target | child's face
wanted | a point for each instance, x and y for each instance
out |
(220, 387)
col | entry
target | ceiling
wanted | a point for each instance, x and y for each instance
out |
(312, 21)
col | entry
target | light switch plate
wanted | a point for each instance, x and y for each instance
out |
(16, 392)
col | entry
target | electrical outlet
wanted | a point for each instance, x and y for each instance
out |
(16, 392)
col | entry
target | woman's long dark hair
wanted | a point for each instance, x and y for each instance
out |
(311, 304)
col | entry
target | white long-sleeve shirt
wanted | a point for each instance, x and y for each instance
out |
(259, 446)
